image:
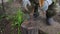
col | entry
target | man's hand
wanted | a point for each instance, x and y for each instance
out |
(25, 3)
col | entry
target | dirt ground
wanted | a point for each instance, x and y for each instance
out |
(40, 21)
(52, 29)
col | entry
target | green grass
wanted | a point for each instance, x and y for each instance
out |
(16, 20)
(19, 19)
(0, 7)
(59, 33)
(10, 0)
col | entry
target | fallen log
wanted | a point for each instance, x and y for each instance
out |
(28, 27)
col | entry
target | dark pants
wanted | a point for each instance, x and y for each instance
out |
(35, 5)
(51, 10)
(49, 13)
(36, 13)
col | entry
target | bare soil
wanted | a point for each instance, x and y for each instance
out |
(40, 21)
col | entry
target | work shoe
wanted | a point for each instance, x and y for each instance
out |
(35, 15)
(50, 21)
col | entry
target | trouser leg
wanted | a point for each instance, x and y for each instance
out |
(50, 13)
(36, 14)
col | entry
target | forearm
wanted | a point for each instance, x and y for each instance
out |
(25, 3)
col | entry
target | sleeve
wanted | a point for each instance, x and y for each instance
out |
(46, 5)
(49, 2)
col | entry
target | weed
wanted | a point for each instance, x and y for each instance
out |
(17, 20)
(10, 1)
(59, 33)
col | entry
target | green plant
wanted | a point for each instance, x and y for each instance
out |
(17, 20)
(59, 33)
(10, 1)
(0, 7)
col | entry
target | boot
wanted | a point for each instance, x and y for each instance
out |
(50, 13)
(50, 21)
(36, 15)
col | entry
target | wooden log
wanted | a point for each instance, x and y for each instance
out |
(26, 28)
